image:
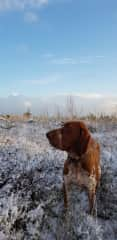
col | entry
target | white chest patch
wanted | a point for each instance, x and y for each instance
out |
(81, 177)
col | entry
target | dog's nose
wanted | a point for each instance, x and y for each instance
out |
(47, 135)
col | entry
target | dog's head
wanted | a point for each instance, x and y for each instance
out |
(73, 136)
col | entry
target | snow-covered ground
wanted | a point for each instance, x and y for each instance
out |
(31, 198)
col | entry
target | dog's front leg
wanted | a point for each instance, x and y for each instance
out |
(65, 183)
(92, 199)
(92, 193)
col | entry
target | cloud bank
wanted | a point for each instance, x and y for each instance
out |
(84, 104)
(11, 5)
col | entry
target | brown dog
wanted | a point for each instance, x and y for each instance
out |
(83, 163)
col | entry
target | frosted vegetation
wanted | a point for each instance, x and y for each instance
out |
(31, 197)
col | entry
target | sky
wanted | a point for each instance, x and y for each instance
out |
(50, 47)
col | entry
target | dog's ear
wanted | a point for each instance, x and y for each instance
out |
(83, 141)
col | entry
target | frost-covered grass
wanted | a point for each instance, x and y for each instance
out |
(31, 197)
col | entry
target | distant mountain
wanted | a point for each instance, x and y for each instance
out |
(82, 104)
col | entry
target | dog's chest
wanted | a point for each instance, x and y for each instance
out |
(81, 177)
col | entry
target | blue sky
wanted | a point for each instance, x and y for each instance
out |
(51, 47)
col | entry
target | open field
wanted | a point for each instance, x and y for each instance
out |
(31, 198)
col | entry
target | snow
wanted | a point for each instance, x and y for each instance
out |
(31, 197)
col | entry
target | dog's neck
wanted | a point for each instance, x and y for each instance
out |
(73, 156)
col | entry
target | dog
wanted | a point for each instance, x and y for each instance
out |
(82, 165)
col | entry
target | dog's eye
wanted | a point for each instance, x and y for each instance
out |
(66, 130)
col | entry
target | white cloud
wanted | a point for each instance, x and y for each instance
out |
(71, 61)
(53, 59)
(83, 95)
(99, 56)
(91, 95)
(48, 55)
(90, 59)
(6, 5)
(15, 94)
(31, 17)
(64, 61)
(44, 81)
